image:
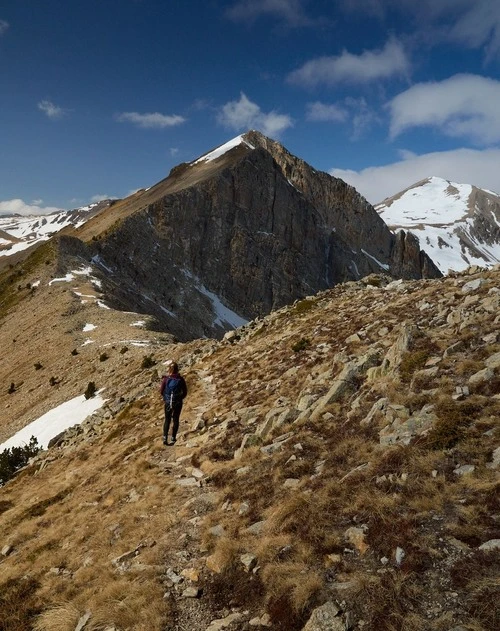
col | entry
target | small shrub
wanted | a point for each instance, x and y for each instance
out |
(5, 505)
(38, 366)
(53, 381)
(90, 391)
(14, 458)
(123, 350)
(12, 388)
(303, 306)
(301, 345)
(412, 361)
(74, 352)
(103, 357)
(453, 419)
(148, 362)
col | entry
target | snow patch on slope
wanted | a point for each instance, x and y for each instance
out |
(216, 153)
(441, 214)
(73, 412)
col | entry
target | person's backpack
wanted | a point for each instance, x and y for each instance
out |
(173, 391)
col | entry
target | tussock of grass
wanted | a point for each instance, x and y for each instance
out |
(60, 618)
(294, 582)
(453, 419)
(19, 603)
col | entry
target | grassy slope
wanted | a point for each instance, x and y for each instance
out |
(352, 503)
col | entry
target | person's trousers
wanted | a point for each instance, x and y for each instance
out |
(172, 413)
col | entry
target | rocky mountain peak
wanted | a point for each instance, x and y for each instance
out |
(457, 224)
(242, 230)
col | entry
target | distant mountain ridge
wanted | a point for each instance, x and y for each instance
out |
(21, 232)
(457, 224)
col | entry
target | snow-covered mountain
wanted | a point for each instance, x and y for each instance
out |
(19, 232)
(457, 224)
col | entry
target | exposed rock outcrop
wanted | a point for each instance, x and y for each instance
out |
(236, 234)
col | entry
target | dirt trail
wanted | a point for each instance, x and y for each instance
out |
(192, 500)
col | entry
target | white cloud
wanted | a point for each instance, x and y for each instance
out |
(323, 112)
(150, 121)
(368, 66)
(3, 26)
(244, 114)
(353, 112)
(363, 117)
(290, 11)
(19, 207)
(479, 26)
(461, 106)
(54, 112)
(466, 166)
(100, 198)
(174, 151)
(473, 23)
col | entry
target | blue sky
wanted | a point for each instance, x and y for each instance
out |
(101, 97)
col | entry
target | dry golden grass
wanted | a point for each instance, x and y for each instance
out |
(97, 501)
(62, 617)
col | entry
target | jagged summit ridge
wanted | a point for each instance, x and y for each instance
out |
(247, 224)
(457, 224)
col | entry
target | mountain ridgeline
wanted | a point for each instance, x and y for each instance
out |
(243, 230)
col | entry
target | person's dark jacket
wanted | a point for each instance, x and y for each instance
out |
(182, 384)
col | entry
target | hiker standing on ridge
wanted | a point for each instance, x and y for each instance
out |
(173, 390)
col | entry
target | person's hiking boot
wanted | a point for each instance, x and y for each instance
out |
(174, 440)
(165, 440)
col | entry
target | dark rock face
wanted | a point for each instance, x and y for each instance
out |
(262, 229)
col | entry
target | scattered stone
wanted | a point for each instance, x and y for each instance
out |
(173, 576)
(356, 536)
(122, 561)
(291, 483)
(488, 546)
(399, 555)
(249, 440)
(191, 574)
(482, 376)
(473, 285)
(353, 339)
(249, 561)
(82, 622)
(465, 469)
(345, 383)
(231, 336)
(262, 621)
(6, 550)
(186, 482)
(495, 464)
(333, 559)
(400, 431)
(217, 531)
(224, 623)
(493, 361)
(325, 618)
(458, 347)
(214, 564)
(191, 592)
(256, 528)
(244, 509)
